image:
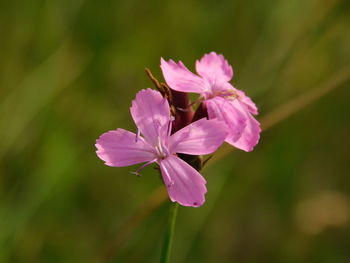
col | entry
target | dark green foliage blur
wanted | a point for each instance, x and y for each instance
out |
(68, 72)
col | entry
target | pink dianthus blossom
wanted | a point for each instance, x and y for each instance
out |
(151, 114)
(221, 99)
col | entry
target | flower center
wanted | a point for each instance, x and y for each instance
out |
(229, 94)
(226, 94)
(161, 151)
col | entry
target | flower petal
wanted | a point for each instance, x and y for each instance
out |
(224, 110)
(151, 114)
(248, 102)
(214, 68)
(120, 148)
(251, 134)
(184, 184)
(179, 78)
(200, 137)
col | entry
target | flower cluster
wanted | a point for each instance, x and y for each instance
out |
(169, 131)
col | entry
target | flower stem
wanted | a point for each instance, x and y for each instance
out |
(168, 240)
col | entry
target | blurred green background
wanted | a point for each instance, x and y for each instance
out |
(68, 72)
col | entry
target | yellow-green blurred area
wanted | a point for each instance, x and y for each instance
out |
(68, 72)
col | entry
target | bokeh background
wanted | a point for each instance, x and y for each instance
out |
(68, 72)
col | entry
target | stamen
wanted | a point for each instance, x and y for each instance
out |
(159, 144)
(182, 109)
(159, 148)
(137, 172)
(166, 174)
(170, 125)
(229, 94)
(137, 135)
(197, 101)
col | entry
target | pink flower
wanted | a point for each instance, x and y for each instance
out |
(221, 99)
(152, 117)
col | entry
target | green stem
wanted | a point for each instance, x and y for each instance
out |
(168, 240)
